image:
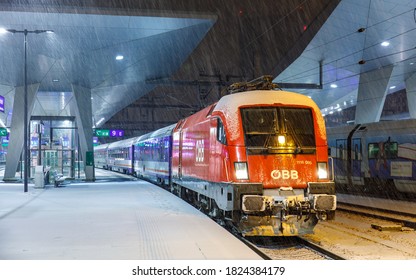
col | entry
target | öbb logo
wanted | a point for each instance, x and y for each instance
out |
(285, 174)
(199, 155)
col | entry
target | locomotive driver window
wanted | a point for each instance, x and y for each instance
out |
(278, 130)
(221, 137)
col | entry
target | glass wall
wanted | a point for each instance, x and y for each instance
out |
(54, 144)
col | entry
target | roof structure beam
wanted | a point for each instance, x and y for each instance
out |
(372, 92)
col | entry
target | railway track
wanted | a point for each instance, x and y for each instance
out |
(407, 220)
(288, 248)
(359, 233)
(351, 233)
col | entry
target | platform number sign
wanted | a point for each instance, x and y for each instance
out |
(116, 133)
(109, 133)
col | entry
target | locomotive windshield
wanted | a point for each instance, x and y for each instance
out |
(278, 130)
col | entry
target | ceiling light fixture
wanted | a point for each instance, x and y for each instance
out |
(385, 44)
(334, 85)
(119, 57)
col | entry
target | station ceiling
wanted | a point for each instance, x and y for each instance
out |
(112, 55)
(251, 40)
(358, 37)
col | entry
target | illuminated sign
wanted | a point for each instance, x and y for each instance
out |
(109, 133)
(3, 131)
(1, 103)
(102, 132)
(116, 133)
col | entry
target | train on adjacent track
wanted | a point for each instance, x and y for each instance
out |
(257, 159)
(375, 159)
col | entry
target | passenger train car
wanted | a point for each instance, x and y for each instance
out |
(120, 155)
(101, 156)
(153, 155)
(375, 159)
(256, 159)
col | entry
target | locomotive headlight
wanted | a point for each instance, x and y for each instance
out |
(241, 172)
(322, 170)
(281, 139)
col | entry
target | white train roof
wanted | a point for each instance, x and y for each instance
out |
(229, 105)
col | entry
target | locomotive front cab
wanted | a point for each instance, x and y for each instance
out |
(289, 160)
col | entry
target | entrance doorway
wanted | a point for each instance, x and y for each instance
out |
(54, 144)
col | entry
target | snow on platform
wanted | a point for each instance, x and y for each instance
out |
(109, 221)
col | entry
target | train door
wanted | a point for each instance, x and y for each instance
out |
(356, 161)
(180, 154)
(340, 161)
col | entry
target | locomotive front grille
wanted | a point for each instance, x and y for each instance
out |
(324, 202)
(253, 203)
(256, 203)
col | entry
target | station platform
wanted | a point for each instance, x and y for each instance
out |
(105, 220)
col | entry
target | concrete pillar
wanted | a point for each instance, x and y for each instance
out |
(83, 116)
(411, 95)
(17, 128)
(372, 92)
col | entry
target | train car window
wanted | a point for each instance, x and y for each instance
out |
(278, 130)
(221, 137)
(383, 150)
(341, 148)
(161, 149)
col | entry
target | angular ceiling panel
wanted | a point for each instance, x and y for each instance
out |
(83, 49)
(340, 47)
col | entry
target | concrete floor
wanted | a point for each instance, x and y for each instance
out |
(122, 220)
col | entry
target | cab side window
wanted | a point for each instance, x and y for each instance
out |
(221, 137)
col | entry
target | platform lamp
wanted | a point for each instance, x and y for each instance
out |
(25, 118)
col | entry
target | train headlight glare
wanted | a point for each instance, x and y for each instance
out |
(322, 170)
(281, 139)
(241, 172)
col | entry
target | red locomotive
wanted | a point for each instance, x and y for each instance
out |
(257, 158)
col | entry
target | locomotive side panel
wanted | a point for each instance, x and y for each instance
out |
(198, 153)
(200, 162)
(195, 151)
(219, 159)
